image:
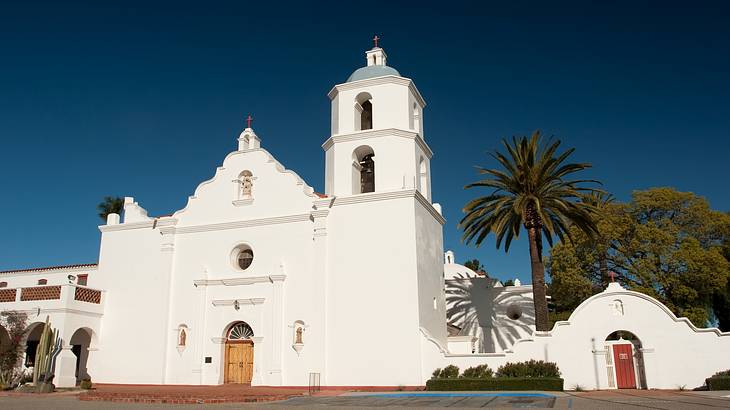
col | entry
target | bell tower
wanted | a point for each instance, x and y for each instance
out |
(377, 142)
(384, 250)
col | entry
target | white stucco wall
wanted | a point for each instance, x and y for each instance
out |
(675, 353)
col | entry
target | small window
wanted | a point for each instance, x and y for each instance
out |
(3, 284)
(240, 331)
(81, 280)
(245, 258)
(42, 281)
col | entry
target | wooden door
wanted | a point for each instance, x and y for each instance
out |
(239, 363)
(623, 359)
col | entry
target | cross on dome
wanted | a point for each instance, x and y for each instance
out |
(375, 41)
(249, 120)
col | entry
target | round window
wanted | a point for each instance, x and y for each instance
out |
(242, 257)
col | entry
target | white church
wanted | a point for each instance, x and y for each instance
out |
(261, 280)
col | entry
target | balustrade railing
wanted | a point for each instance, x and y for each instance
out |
(8, 295)
(36, 293)
(88, 295)
(41, 293)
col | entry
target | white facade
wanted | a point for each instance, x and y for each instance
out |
(349, 284)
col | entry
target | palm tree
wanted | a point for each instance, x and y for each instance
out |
(534, 191)
(110, 205)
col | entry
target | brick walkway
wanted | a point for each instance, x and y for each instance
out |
(229, 393)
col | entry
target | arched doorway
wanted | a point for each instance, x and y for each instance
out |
(80, 342)
(239, 354)
(624, 361)
(31, 343)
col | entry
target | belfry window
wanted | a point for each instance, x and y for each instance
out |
(363, 170)
(363, 112)
(367, 174)
(366, 116)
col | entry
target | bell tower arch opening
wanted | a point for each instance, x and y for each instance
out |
(363, 112)
(363, 170)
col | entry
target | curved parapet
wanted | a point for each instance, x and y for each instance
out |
(252, 180)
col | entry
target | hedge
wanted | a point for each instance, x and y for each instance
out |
(718, 383)
(497, 383)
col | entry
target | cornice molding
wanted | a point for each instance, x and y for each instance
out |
(385, 132)
(369, 82)
(231, 302)
(239, 281)
(429, 207)
(373, 197)
(156, 223)
(61, 310)
(244, 224)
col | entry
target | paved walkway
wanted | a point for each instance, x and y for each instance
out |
(624, 399)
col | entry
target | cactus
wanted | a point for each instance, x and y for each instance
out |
(48, 347)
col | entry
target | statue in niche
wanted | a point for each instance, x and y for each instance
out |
(618, 308)
(183, 337)
(246, 186)
(298, 339)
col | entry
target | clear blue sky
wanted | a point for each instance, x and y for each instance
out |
(145, 101)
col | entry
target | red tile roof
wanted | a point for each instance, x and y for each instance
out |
(83, 265)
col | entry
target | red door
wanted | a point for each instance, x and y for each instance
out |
(624, 360)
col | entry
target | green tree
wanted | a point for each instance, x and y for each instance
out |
(534, 190)
(721, 299)
(664, 243)
(110, 205)
(476, 266)
(13, 328)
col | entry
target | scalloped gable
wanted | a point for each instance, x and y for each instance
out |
(276, 191)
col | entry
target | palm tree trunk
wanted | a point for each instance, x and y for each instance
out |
(538, 279)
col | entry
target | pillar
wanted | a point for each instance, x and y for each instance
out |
(277, 324)
(65, 372)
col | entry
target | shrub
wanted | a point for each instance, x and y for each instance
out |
(478, 372)
(448, 372)
(531, 368)
(85, 384)
(718, 383)
(496, 383)
(722, 373)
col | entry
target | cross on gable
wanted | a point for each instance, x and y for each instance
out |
(612, 274)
